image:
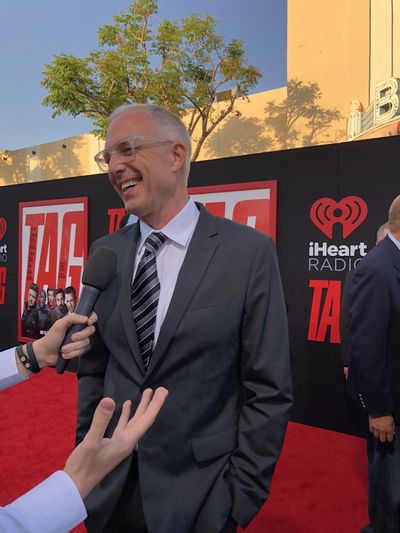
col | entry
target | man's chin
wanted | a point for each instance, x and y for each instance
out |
(132, 208)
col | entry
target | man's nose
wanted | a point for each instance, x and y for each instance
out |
(116, 163)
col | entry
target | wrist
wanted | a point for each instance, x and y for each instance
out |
(26, 359)
(83, 486)
(36, 345)
(20, 366)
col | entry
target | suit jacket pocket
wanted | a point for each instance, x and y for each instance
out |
(214, 446)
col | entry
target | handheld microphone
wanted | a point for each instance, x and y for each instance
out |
(96, 277)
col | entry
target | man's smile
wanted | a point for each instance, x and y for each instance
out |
(130, 183)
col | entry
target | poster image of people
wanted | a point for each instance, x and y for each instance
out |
(30, 316)
(44, 321)
(70, 299)
(52, 256)
(44, 307)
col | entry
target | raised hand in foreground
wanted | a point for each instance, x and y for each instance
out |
(96, 455)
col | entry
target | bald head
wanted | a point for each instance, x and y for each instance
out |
(167, 122)
(394, 217)
(146, 165)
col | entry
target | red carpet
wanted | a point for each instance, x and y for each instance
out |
(319, 485)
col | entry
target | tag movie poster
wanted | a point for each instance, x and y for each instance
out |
(52, 255)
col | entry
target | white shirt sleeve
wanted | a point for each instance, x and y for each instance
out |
(53, 506)
(9, 374)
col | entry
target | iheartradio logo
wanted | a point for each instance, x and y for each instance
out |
(3, 227)
(350, 212)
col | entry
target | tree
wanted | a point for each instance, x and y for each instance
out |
(182, 66)
(300, 103)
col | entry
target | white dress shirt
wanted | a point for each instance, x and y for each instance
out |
(394, 240)
(53, 506)
(132, 219)
(9, 374)
(170, 257)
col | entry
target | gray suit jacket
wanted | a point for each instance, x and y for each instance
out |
(223, 354)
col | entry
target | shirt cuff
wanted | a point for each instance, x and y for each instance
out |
(54, 505)
(9, 374)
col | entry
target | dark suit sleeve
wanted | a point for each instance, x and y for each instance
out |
(370, 317)
(345, 320)
(266, 378)
(91, 373)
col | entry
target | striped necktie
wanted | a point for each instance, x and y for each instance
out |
(144, 295)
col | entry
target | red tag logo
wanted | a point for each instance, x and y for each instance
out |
(252, 203)
(3, 227)
(350, 212)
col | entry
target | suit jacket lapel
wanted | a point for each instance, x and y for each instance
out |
(125, 309)
(198, 256)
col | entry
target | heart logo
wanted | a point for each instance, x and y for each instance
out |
(3, 227)
(350, 212)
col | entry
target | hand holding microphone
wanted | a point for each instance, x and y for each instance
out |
(99, 271)
(46, 349)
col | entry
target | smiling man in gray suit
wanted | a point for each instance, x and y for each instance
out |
(196, 305)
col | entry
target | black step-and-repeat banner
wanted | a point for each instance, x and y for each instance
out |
(322, 206)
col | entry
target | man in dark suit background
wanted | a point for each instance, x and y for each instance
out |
(30, 317)
(374, 370)
(217, 339)
(383, 230)
(44, 319)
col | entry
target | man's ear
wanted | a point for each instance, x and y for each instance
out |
(178, 153)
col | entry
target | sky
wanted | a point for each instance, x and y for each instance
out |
(33, 32)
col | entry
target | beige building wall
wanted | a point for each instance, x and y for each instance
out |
(65, 158)
(343, 47)
(246, 130)
(381, 66)
(328, 43)
(396, 38)
(385, 42)
(379, 114)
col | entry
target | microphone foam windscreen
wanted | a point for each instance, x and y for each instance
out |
(100, 268)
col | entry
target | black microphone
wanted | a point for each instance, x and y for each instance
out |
(96, 277)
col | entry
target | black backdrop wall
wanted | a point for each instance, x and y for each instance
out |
(331, 200)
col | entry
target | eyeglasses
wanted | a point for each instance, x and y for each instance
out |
(127, 149)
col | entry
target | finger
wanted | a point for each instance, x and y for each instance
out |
(144, 402)
(101, 419)
(72, 319)
(124, 418)
(84, 334)
(159, 397)
(60, 326)
(92, 319)
(142, 424)
(76, 345)
(390, 434)
(75, 349)
(74, 354)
